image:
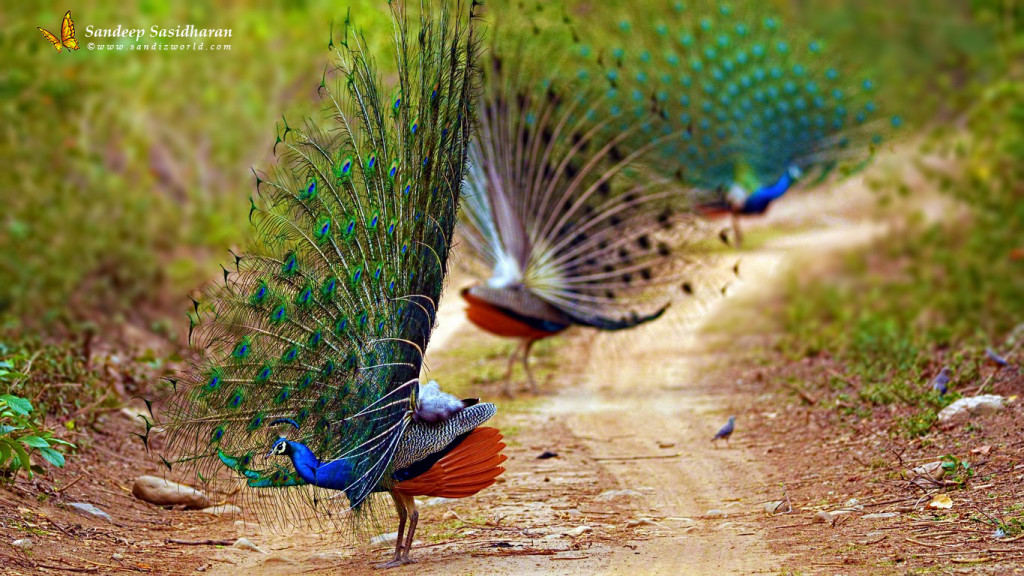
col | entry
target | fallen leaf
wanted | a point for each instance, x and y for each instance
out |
(941, 501)
(984, 450)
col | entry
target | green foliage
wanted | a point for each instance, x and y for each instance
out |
(950, 285)
(957, 470)
(21, 434)
(122, 168)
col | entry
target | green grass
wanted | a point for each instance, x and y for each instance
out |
(930, 294)
(127, 174)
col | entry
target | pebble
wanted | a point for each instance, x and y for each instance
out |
(777, 507)
(880, 515)
(330, 556)
(964, 408)
(579, 531)
(279, 561)
(823, 517)
(716, 514)
(246, 544)
(166, 493)
(927, 475)
(23, 543)
(222, 510)
(609, 495)
(90, 510)
(437, 501)
(384, 539)
(117, 556)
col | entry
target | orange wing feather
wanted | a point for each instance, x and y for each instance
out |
(469, 468)
(67, 32)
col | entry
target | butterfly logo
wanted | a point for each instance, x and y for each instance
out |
(67, 34)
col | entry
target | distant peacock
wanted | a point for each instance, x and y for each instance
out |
(310, 384)
(768, 108)
(571, 226)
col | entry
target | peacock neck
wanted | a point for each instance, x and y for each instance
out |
(305, 462)
(775, 191)
(335, 475)
(757, 203)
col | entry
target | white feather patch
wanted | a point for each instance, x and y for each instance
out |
(435, 406)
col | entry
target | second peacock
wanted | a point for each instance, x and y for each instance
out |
(771, 108)
(569, 224)
(309, 382)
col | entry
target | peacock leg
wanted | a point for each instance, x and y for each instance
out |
(508, 373)
(402, 515)
(526, 366)
(414, 516)
(737, 232)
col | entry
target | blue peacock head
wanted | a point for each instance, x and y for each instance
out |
(282, 446)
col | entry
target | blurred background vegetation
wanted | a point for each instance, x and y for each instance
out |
(126, 174)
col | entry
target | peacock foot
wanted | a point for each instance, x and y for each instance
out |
(396, 563)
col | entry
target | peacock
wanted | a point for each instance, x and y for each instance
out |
(769, 109)
(571, 228)
(309, 387)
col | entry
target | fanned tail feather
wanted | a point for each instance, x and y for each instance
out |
(560, 202)
(760, 95)
(325, 320)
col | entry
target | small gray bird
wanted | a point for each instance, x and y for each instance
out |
(726, 431)
(941, 382)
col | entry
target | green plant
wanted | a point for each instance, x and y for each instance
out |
(959, 471)
(21, 435)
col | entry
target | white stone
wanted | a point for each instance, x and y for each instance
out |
(90, 510)
(246, 544)
(777, 507)
(927, 475)
(438, 501)
(222, 510)
(23, 543)
(609, 495)
(823, 517)
(965, 408)
(388, 538)
(880, 515)
(579, 531)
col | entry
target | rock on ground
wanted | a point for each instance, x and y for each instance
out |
(90, 510)
(246, 544)
(222, 510)
(964, 408)
(166, 493)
